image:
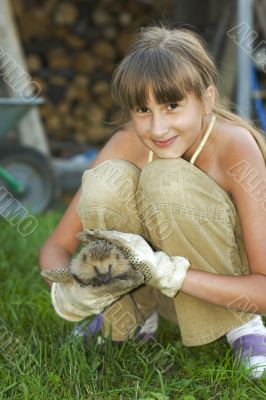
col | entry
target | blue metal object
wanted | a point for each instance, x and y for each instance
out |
(244, 51)
(259, 107)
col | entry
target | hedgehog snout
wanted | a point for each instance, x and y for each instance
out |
(104, 278)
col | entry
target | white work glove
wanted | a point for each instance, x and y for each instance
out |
(163, 272)
(75, 303)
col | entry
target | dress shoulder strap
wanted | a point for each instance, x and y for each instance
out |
(204, 139)
(150, 156)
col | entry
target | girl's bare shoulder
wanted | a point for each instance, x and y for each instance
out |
(236, 142)
(235, 145)
(245, 175)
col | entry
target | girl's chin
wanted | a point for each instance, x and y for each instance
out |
(165, 153)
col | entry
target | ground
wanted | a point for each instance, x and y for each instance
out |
(38, 360)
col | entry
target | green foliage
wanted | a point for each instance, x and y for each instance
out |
(38, 359)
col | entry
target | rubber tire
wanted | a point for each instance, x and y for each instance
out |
(23, 163)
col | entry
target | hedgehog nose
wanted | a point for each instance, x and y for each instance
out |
(104, 278)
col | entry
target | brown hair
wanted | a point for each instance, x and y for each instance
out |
(172, 63)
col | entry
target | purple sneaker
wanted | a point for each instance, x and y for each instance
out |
(89, 331)
(251, 350)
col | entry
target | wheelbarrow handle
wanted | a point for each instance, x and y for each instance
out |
(14, 185)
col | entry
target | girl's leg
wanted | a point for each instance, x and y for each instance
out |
(186, 213)
(108, 201)
(131, 311)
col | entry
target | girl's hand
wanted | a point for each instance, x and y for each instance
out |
(74, 303)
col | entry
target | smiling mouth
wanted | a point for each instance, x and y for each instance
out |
(165, 142)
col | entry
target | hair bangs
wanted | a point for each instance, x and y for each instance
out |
(130, 88)
(156, 72)
(170, 79)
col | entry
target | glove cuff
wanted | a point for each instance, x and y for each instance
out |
(169, 274)
(62, 307)
(181, 265)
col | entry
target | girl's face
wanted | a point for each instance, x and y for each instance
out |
(171, 130)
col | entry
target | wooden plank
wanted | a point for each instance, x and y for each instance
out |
(260, 9)
(18, 81)
(228, 70)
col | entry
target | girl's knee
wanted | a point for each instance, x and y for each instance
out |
(185, 213)
(108, 197)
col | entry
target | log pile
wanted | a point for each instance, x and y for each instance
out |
(72, 48)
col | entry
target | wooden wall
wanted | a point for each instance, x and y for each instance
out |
(72, 47)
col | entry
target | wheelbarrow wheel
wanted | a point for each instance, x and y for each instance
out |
(35, 174)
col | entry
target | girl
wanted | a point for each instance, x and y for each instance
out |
(189, 176)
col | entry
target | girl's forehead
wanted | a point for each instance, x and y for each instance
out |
(152, 92)
(188, 97)
(152, 99)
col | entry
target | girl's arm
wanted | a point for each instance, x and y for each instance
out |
(62, 243)
(245, 176)
(241, 293)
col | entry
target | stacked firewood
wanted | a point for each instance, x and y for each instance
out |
(72, 48)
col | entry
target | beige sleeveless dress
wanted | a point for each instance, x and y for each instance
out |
(182, 211)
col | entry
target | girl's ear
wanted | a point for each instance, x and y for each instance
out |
(209, 99)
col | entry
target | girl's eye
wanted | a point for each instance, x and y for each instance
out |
(142, 110)
(172, 106)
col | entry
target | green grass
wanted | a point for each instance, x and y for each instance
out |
(39, 362)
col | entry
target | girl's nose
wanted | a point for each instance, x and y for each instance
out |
(159, 128)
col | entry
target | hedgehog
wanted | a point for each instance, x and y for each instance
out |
(102, 264)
